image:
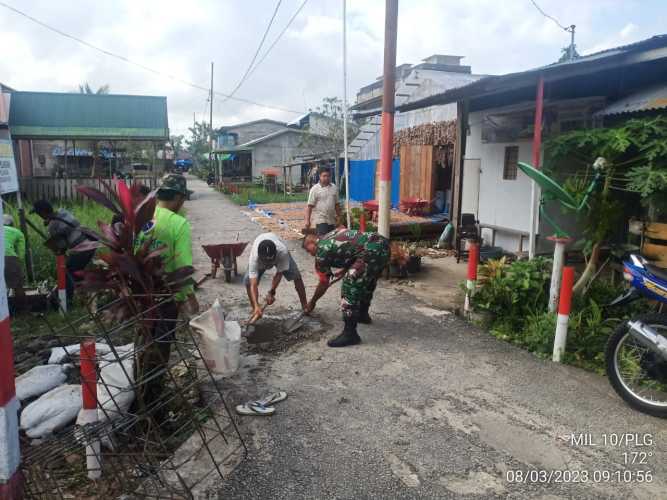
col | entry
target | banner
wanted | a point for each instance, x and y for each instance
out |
(8, 178)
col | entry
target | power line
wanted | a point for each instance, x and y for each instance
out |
(254, 58)
(139, 65)
(548, 16)
(289, 23)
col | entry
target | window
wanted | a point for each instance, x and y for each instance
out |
(511, 160)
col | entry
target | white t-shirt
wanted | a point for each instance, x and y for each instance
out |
(282, 256)
(324, 201)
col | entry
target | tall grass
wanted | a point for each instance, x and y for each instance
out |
(259, 196)
(44, 261)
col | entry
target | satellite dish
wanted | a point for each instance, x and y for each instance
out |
(549, 186)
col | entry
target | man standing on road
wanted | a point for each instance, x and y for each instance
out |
(269, 251)
(172, 231)
(64, 234)
(361, 258)
(323, 206)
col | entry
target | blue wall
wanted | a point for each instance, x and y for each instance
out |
(362, 180)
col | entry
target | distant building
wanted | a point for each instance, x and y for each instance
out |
(245, 149)
(498, 118)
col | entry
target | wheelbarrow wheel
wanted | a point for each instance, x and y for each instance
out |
(228, 266)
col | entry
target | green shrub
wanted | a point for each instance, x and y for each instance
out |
(516, 295)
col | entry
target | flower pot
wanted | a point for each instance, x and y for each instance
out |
(414, 264)
(397, 271)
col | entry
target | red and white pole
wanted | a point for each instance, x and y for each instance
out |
(564, 306)
(556, 270)
(11, 480)
(61, 271)
(388, 109)
(89, 413)
(471, 282)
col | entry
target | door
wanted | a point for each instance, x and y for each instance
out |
(471, 170)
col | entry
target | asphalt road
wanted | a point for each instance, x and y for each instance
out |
(427, 407)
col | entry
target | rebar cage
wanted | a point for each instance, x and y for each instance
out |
(174, 439)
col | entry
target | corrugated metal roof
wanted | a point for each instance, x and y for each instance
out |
(51, 115)
(581, 66)
(644, 100)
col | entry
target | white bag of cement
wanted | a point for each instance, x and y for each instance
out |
(40, 379)
(123, 352)
(52, 411)
(220, 340)
(59, 354)
(114, 389)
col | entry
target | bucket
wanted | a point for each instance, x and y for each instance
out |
(220, 340)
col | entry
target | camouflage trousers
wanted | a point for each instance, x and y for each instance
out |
(361, 279)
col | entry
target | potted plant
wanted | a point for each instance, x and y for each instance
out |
(414, 263)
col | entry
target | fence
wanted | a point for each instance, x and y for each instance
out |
(35, 188)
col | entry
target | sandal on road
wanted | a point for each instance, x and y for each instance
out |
(254, 408)
(273, 398)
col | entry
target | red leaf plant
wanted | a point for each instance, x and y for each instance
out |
(131, 268)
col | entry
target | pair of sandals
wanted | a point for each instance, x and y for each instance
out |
(262, 407)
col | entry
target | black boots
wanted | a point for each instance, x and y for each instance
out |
(364, 318)
(349, 336)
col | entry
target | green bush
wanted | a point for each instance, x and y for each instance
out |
(516, 296)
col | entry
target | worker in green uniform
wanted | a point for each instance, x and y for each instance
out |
(360, 258)
(171, 230)
(14, 252)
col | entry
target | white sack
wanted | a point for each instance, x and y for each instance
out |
(52, 411)
(40, 379)
(59, 354)
(220, 340)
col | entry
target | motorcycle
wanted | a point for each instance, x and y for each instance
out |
(636, 353)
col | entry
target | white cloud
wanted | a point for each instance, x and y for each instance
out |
(181, 39)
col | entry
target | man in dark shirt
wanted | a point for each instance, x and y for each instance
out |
(64, 234)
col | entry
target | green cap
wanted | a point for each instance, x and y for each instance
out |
(175, 182)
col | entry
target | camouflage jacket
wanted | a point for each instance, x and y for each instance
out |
(340, 249)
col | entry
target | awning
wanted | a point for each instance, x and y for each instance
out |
(645, 100)
(227, 156)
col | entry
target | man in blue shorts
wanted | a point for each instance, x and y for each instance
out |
(269, 251)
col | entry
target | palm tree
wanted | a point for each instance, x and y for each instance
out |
(85, 88)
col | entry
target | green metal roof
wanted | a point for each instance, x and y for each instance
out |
(52, 115)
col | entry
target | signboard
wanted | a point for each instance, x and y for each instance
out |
(8, 178)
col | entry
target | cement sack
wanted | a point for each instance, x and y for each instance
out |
(115, 391)
(219, 340)
(60, 354)
(39, 380)
(52, 411)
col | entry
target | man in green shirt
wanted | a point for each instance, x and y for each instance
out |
(14, 252)
(169, 229)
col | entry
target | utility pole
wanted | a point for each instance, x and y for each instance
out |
(387, 130)
(571, 30)
(346, 166)
(210, 123)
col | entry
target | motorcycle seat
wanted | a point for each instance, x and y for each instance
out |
(658, 272)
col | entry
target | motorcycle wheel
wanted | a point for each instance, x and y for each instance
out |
(635, 372)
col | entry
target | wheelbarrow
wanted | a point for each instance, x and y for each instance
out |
(225, 254)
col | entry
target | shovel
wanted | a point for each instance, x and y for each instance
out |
(250, 324)
(293, 325)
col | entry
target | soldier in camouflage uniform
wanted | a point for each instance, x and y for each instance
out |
(361, 258)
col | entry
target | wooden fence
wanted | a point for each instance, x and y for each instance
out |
(35, 188)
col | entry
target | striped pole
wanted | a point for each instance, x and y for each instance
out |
(556, 270)
(471, 282)
(11, 481)
(362, 221)
(564, 306)
(61, 272)
(89, 405)
(388, 109)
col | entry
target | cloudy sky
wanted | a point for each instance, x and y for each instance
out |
(181, 38)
